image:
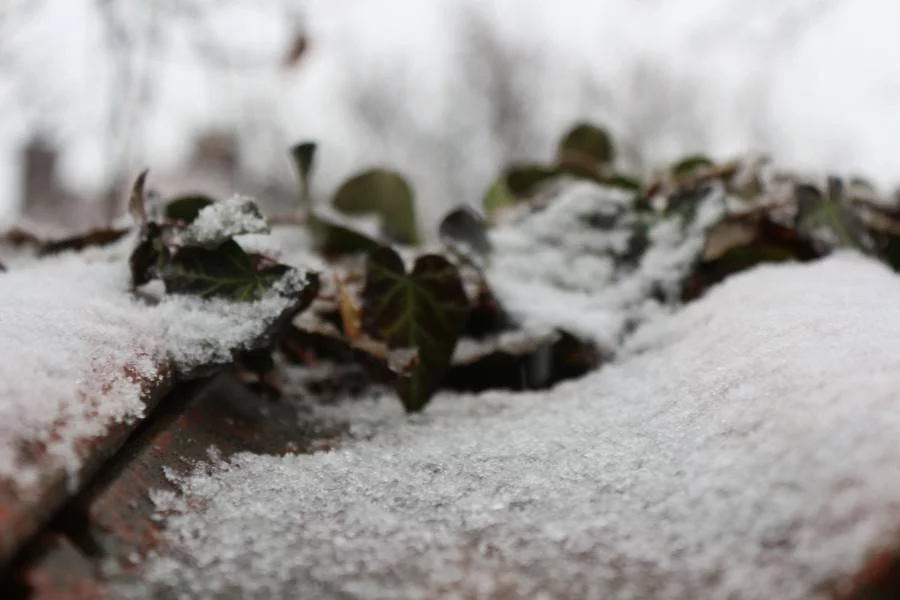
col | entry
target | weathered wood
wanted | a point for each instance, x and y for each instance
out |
(23, 514)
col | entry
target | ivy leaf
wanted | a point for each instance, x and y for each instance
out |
(147, 255)
(690, 164)
(586, 149)
(517, 183)
(465, 232)
(304, 155)
(623, 182)
(386, 194)
(828, 219)
(336, 239)
(424, 310)
(225, 271)
(186, 208)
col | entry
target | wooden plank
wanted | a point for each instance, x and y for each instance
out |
(22, 516)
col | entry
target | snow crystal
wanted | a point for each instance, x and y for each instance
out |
(78, 347)
(557, 268)
(223, 220)
(745, 448)
(70, 337)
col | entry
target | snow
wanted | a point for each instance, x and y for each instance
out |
(64, 359)
(744, 447)
(80, 351)
(237, 215)
(555, 268)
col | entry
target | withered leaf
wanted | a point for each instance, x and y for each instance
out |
(96, 237)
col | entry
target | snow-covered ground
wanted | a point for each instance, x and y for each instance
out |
(417, 85)
(730, 453)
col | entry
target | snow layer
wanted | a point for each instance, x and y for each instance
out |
(557, 268)
(743, 448)
(236, 215)
(78, 351)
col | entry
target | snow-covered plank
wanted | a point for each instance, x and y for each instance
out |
(82, 360)
(742, 448)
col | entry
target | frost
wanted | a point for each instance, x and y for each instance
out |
(743, 448)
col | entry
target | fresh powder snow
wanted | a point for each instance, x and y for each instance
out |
(557, 267)
(744, 447)
(80, 352)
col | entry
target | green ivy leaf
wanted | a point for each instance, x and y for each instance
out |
(338, 240)
(304, 155)
(186, 208)
(386, 194)
(690, 164)
(465, 231)
(424, 310)
(516, 184)
(586, 149)
(225, 271)
(828, 218)
(623, 182)
(146, 256)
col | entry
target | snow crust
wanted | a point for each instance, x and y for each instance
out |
(744, 447)
(78, 350)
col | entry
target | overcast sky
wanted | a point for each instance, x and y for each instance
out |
(812, 82)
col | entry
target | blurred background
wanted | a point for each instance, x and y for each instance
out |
(209, 94)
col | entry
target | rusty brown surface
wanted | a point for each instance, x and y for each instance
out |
(113, 517)
(61, 571)
(23, 515)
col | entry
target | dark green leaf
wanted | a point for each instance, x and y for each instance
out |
(304, 155)
(685, 202)
(586, 148)
(622, 181)
(516, 184)
(185, 208)
(465, 230)
(425, 310)
(225, 271)
(383, 193)
(690, 164)
(339, 240)
(828, 218)
(145, 258)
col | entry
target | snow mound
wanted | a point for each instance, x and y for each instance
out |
(744, 447)
(573, 264)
